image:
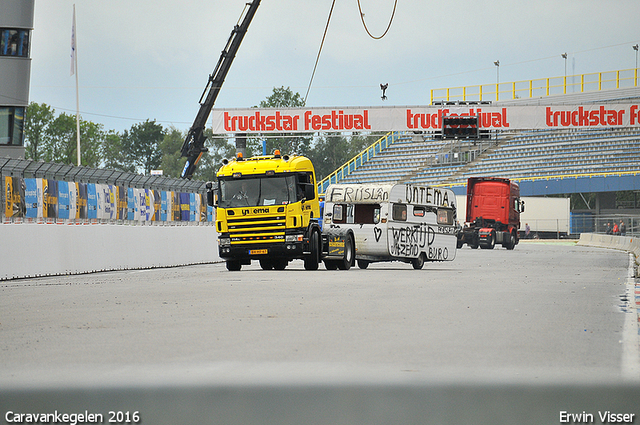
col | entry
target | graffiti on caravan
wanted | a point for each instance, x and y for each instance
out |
(408, 241)
(358, 193)
(425, 195)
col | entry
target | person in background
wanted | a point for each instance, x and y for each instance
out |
(622, 228)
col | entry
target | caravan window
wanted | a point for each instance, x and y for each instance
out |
(367, 214)
(399, 212)
(445, 216)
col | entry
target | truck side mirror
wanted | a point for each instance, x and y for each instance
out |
(309, 192)
(521, 206)
(211, 201)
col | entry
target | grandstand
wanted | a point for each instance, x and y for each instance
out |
(601, 160)
(425, 158)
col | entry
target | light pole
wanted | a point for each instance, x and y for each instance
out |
(497, 64)
(635, 71)
(564, 56)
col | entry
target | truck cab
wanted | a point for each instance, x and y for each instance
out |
(268, 210)
(493, 213)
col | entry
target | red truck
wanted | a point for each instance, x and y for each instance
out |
(493, 213)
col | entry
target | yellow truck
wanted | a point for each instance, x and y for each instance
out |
(267, 209)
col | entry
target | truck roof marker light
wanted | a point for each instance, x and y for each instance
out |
(239, 157)
(276, 153)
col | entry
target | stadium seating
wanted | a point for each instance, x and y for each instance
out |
(424, 160)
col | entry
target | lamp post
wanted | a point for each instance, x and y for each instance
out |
(635, 71)
(497, 64)
(564, 56)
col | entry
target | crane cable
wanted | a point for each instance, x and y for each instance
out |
(304, 102)
(388, 26)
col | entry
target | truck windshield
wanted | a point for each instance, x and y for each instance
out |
(252, 192)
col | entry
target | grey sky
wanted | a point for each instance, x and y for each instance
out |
(142, 59)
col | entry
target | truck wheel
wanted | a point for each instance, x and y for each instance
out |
(331, 264)
(266, 264)
(311, 262)
(280, 264)
(512, 241)
(363, 264)
(491, 241)
(345, 263)
(417, 263)
(233, 265)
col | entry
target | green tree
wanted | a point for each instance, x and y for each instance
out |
(112, 153)
(334, 150)
(281, 98)
(36, 129)
(219, 149)
(91, 139)
(329, 153)
(61, 145)
(53, 139)
(172, 162)
(141, 146)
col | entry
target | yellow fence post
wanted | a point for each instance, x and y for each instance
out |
(548, 86)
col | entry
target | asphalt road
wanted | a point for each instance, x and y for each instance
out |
(542, 310)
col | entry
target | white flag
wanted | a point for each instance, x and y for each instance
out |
(73, 41)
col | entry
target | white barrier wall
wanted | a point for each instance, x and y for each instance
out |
(623, 243)
(30, 250)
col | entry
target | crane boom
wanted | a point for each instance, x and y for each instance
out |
(193, 146)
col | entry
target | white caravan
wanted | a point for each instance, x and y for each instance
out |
(395, 222)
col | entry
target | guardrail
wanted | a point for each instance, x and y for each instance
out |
(540, 87)
(43, 192)
(358, 160)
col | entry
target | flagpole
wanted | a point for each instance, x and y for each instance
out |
(74, 69)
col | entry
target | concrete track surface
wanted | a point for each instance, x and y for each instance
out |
(485, 338)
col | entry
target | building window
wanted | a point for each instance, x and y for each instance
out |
(11, 126)
(14, 42)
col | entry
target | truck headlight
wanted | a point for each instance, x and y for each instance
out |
(293, 238)
(224, 241)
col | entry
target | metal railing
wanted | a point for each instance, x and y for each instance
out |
(358, 160)
(540, 87)
(20, 195)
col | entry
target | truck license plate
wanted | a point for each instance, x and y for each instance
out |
(258, 251)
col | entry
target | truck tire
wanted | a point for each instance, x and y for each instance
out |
(312, 260)
(511, 242)
(363, 264)
(345, 263)
(280, 264)
(418, 263)
(491, 241)
(331, 264)
(233, 265)
(266, 264)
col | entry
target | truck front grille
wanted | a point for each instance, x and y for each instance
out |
(262, 229)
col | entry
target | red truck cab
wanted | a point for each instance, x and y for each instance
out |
(493, 213)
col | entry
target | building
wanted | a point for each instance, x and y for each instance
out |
(16, 25)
